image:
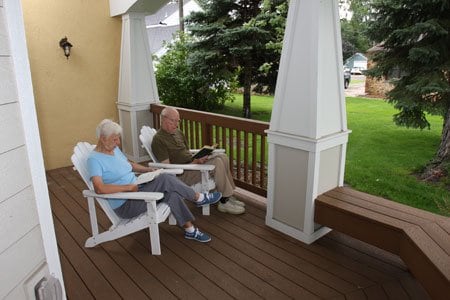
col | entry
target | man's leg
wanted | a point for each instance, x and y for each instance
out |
(222, 175)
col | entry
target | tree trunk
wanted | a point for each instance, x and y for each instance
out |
(247, 93)
(181, 14)
(437, 168)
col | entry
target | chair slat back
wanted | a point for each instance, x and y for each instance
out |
(79, 159)
(146, 137)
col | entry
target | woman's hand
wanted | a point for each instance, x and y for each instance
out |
(133, 187)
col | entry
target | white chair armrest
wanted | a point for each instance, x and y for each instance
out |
(194, 167)
(145, 196)
(172, 171)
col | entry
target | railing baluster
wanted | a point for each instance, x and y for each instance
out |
(238, 154)
(217, 138)
(224, 138)
(207, 134)
(254, 158)
(191, 135)
(198, 143)
(262, 165)
(231, 151)
(246, 156)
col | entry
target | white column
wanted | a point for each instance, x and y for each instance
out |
(137, 84)
(308, 130)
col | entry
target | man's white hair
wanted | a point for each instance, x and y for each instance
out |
(168, 110)
(108, 127)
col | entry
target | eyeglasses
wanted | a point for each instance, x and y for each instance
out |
(173, 120)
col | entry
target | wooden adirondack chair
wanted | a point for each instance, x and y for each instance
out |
(207, 183)
(156, 213)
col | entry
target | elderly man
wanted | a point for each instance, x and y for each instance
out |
(169, 145)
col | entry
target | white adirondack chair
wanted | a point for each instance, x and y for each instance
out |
(207, 183)
(156, 213)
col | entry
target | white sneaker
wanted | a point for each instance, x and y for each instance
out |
(230, 208)
(236, 201)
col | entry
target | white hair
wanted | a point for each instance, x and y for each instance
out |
(108, 127)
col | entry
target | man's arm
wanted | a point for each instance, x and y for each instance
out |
(198, 161)
(160, 150)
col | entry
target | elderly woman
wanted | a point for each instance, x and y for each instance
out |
(111, 172)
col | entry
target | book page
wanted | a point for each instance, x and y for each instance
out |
(147, 177)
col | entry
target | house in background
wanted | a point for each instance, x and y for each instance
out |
(357, 63)
(164, 24)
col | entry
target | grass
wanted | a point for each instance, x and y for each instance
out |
(381, 157)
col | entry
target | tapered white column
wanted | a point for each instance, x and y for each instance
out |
(137, 84)
(308, 130)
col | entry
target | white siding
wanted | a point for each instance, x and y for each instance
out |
(23, 259)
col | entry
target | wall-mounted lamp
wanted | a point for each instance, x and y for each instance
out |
(64, 43)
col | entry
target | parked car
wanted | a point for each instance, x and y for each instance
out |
(347, 78)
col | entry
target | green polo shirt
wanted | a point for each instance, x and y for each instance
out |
(171, 146)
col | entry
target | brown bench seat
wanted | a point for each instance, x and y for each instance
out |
(420, 238)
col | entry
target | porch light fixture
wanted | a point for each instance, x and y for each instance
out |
(64, 43)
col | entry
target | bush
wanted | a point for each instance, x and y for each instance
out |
(179, 84)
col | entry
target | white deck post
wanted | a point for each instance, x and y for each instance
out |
(308, 130)
(137, 83)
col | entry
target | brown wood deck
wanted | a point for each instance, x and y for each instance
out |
(245, 259)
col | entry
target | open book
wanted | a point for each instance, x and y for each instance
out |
(206, 150)
(149, 176)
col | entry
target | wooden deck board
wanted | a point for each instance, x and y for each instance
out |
(295, 267)
(245, 259)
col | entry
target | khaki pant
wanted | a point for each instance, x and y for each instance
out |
(221, 173)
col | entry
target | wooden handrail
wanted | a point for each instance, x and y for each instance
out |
(244, 141)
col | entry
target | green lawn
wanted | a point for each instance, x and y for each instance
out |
(381, 157)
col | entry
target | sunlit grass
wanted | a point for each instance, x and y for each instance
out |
(381, 157)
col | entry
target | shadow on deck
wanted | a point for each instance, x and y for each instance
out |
(245, 259)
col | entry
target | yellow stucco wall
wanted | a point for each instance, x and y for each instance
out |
(73, 95)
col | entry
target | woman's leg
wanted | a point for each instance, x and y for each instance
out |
(174, 192)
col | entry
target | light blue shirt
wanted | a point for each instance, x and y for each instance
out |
(113, 169)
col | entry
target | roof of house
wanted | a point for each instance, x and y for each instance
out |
(358, 57)
(162, 14)
(162, 25)
(158, 35)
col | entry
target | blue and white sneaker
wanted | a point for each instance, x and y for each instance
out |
(198, 236)
(209, 198)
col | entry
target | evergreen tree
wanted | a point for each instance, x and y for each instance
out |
(415, 35)
(229, 42)
(272, 19)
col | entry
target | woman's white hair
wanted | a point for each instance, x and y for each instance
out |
(108, 127)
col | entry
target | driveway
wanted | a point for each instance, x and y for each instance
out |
(357, 86)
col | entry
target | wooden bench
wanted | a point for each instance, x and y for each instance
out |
(420, 238)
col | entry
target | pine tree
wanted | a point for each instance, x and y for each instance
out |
(229, 42)
(415, 36)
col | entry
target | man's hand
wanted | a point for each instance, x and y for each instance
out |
(200, 160)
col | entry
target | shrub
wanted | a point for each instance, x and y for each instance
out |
(179, 84)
